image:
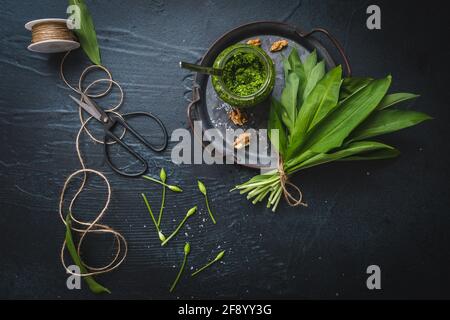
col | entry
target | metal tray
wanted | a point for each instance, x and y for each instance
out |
(207, 107)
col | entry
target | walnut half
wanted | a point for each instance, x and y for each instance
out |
(254, 42)
(242, 140)
(238, 117)
(278, 45)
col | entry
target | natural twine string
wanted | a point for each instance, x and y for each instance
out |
(85, 92)
(84, 228)
(53, 30)
(284, 180)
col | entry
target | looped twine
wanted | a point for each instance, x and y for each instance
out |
(285, 183)
(86, 228)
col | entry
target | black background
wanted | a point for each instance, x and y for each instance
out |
(391, 213)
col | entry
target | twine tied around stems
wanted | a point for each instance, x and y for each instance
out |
(285, 183)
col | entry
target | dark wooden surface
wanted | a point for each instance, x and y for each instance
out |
(390, 213)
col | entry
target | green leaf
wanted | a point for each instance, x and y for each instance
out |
(374, 155)
(319, 103)
(86, 34)
(294, 61)
(310, 62)
(344, 152)
(331, 132)
(297, 67)
(309, 73)
(292, 163)
(391, 99)
(351, 86)
(387, 121)
(94, 286)
(276, 123)
(289, 100)
(286, 67)
(313, 78)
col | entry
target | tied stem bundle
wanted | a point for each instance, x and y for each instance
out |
(284, 182)
(322, 117)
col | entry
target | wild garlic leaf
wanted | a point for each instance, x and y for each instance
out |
(286, 67)
(351, 149)
(297, 67)
(391, 99)
(387, 121)
(320, 102)
(297, 159)
(313, 78)
(295, 62)
(331, 132)
(309, 73)
(351, 86)
(289, 100)
(275, 122)
(310, 62)
(330, 87)
(86, 34)
(374, 155)
(94, 286)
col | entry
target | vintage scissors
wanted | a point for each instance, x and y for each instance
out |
(110, 121)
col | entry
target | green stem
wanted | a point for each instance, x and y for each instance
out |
(162, 206)
(174, 284)
(262, 195)
(255, 191)
(173, 188)
(155, 180)
(272, 194)
(209, 210)
(276, 203)
(277, 194)
(262, 189)
(175, 232)
(150, 211)
(243, 191)
(217, 258)
(255, 184)
(203, 268)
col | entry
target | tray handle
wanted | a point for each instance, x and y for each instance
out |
(195, 99)
(335, 43)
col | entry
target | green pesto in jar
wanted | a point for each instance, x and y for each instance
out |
(244, 74)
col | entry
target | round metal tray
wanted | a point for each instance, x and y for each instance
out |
(212, 112)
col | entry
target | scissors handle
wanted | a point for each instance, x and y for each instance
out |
(109, 134)
(139, 136)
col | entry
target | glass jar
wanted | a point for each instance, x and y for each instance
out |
(261, 93)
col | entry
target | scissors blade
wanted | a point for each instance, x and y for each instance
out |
(91, 108)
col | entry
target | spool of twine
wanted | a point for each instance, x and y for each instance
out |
(51, 35)
(51, 30)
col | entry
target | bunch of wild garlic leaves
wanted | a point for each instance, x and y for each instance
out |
(322, 117)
